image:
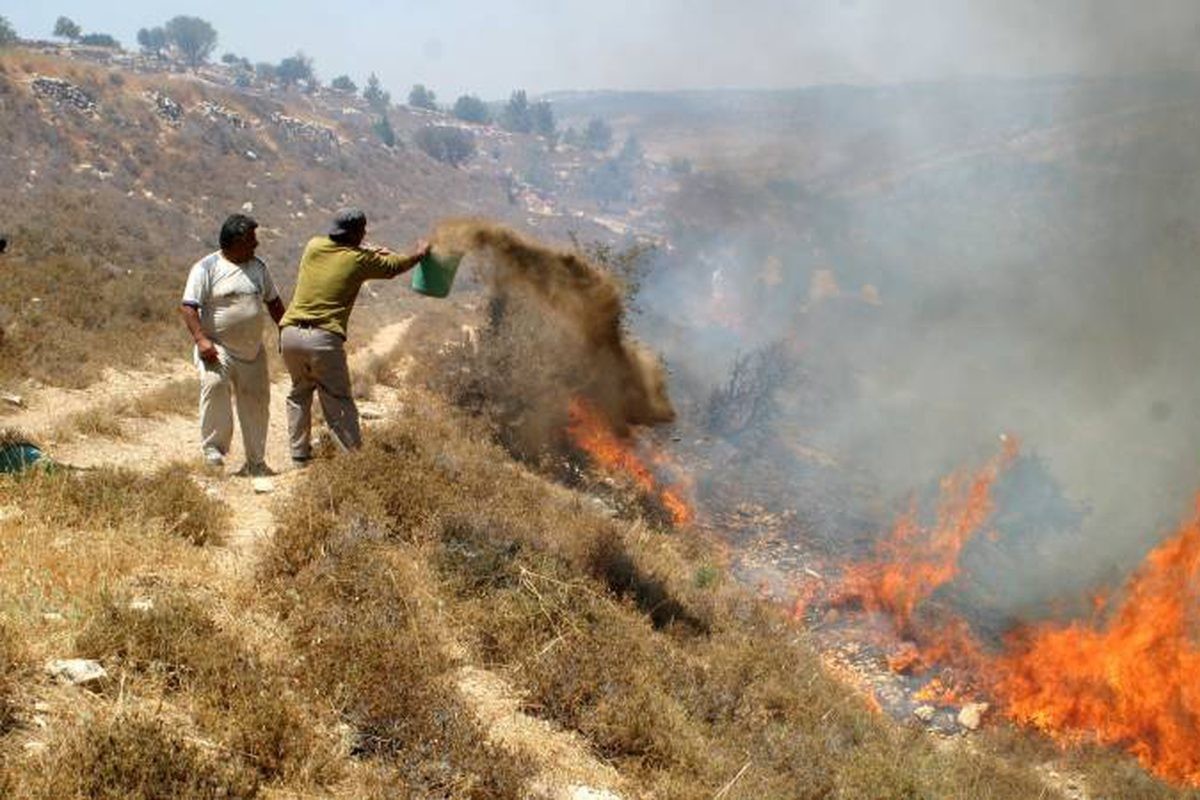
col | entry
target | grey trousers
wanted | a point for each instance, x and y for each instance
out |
(247, 381)
(316, 360)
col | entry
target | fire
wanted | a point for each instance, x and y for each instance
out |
(590, 431)
(914, 560)
(1130, 680)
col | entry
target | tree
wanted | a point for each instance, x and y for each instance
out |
(66, 28)
(99, 40)
(266, 72)
(342, 83)
(420, 97)
(598, 135)
(374, 94)
(609, 183)
(470, 108)
(294, 69)
(447, 144)
(543, 121)
(7, 34)
(383, 129)
(192, 36)
(516, 115)
(153, 41)
(631, 154)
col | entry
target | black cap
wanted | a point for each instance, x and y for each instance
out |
(348, 221)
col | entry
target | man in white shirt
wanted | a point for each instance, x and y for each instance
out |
(222, 308)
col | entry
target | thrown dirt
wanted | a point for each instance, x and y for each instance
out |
(622, 377)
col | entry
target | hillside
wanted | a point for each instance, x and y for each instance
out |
(450, 612)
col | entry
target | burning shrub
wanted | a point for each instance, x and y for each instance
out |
(747, 401)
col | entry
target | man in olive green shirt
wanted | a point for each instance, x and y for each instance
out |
(313, 334)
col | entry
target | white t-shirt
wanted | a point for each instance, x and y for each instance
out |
(230, 299)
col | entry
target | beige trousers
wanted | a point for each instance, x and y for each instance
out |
(316, 360)
(247, 381)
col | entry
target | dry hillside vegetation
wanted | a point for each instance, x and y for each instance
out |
(332, 657)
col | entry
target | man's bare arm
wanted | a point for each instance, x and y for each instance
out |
(204, 345)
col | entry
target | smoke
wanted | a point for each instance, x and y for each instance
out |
(583, 307)
(966, 260)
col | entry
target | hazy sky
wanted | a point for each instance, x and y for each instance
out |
(490, 48)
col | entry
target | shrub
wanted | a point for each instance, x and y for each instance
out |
(420, 97)
(135, 757)
(453, 146)
(167, 500)
(247, 706)
(342, 83)
(470, 108)
(12, 664)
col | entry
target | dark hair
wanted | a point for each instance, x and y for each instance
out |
(236, 227)
(3, 243)
(347, 239)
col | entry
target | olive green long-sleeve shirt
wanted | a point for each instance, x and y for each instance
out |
(330, 276)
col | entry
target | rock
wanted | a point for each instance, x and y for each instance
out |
(971, 715)
(251, 155)
(588, 793)
(262, 485)
(53, 616)
(141, 604)
(248, 207)
(924, 713)
(13, 400)
(63, 93)
(76, 671)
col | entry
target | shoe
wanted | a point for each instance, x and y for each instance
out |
(300, 462)
(260, 470)
(214, 458)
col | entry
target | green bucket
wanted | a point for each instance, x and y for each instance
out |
(434, 274)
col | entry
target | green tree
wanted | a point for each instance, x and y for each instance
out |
(266, 72)
(598, 135)
(153, 40)
(447, 144)
(375, 95)
(470, 108)
(631, 154)
(99, 40)
(420, 97)
(192, 36)
(609, 183)
(544, 124)
(342, 83)
(516, 115)
(66, 28)
(383, 129)
(8, 34)
(294, 69)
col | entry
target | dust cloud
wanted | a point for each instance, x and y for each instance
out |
(619, 375)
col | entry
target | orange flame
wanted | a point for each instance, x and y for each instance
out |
(1129, 681)
(591, 433)
(914, 560)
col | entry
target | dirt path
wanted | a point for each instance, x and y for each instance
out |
(566, 768)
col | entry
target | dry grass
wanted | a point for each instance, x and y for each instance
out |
(172, 398)
(247, 706)
(678, 682)
(167, 500)
(132, 757)
(12, 667)
(98, 422)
